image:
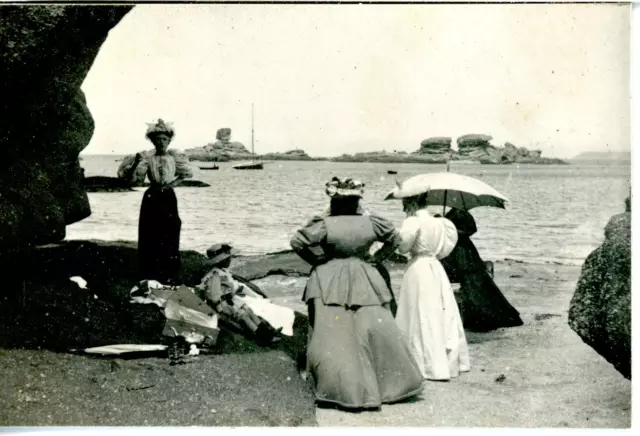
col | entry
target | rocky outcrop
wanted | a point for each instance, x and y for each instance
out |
(42, 310)
(471, 148)
(296, 154)
(437, 149)
(600, 310)
(222, 150)
(46, 53)
(116, 184)
(387, 157)
(478, 148)
(106, 184)
(434, 145)
(110, 269)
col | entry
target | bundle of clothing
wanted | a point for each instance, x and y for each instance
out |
(194, 316)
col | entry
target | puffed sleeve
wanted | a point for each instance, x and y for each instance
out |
(385, 230)
(183, 167)
(310, 236)
(408, 234)
(449, 236)
(463, 221)
(138, 175)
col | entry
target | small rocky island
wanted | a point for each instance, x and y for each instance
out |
(223, 150)
(471, 148)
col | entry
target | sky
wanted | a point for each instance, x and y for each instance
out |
(334, 79)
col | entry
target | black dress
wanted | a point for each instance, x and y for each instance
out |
(482, 305)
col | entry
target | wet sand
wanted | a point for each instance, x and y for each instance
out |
(551, 378)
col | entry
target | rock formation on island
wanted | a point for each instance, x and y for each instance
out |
(600, 310)
(47, 52)
(437, 149)
(222, 150)
(296, 154)
(471, 148)
(478, 147)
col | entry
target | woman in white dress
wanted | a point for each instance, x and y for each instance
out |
(427, 310)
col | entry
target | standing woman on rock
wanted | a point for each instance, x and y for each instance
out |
(356, 355)
(160, 224)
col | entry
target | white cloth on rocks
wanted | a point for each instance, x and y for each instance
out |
(428, 314)
(276, 315)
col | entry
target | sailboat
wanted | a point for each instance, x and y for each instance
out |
(250, 165)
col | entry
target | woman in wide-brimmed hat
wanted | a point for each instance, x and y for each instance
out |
(356, 355)
(159, 226)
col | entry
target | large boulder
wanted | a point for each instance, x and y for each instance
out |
(510, 152)
(223, 134)
(600, 310)
(473, 140)
(435, 145)
(47, 52)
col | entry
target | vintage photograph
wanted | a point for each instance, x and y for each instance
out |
(332, 214)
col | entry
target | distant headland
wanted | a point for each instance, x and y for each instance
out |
(472, 148)
(604, 156)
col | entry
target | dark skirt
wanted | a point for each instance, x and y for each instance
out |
(482, 305)
(159, 235)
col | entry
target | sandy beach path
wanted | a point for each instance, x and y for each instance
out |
(552, 379)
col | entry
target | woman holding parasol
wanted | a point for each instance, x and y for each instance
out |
(427, 310)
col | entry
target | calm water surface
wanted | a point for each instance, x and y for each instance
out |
(555, 214)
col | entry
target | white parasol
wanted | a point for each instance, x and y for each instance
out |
(449, 190)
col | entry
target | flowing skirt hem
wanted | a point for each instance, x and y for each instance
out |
(375, 405)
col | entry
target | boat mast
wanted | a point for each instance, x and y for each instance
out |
(252, 151)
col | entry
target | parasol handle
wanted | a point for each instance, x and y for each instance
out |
(444, 206)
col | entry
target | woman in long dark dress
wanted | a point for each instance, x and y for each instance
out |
(482, 305)
(356, 355)
(159, 225)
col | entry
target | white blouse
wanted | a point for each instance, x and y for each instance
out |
(160, 169)
(426, 235)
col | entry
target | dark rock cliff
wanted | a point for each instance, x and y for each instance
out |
(46, 54)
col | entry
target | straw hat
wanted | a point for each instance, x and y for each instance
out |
(220, 252)
(159, 127)
(344, 187)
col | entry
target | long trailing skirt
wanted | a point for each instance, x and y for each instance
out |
(356, 355)
(482, 305)
(159, 234)
(428, 316)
